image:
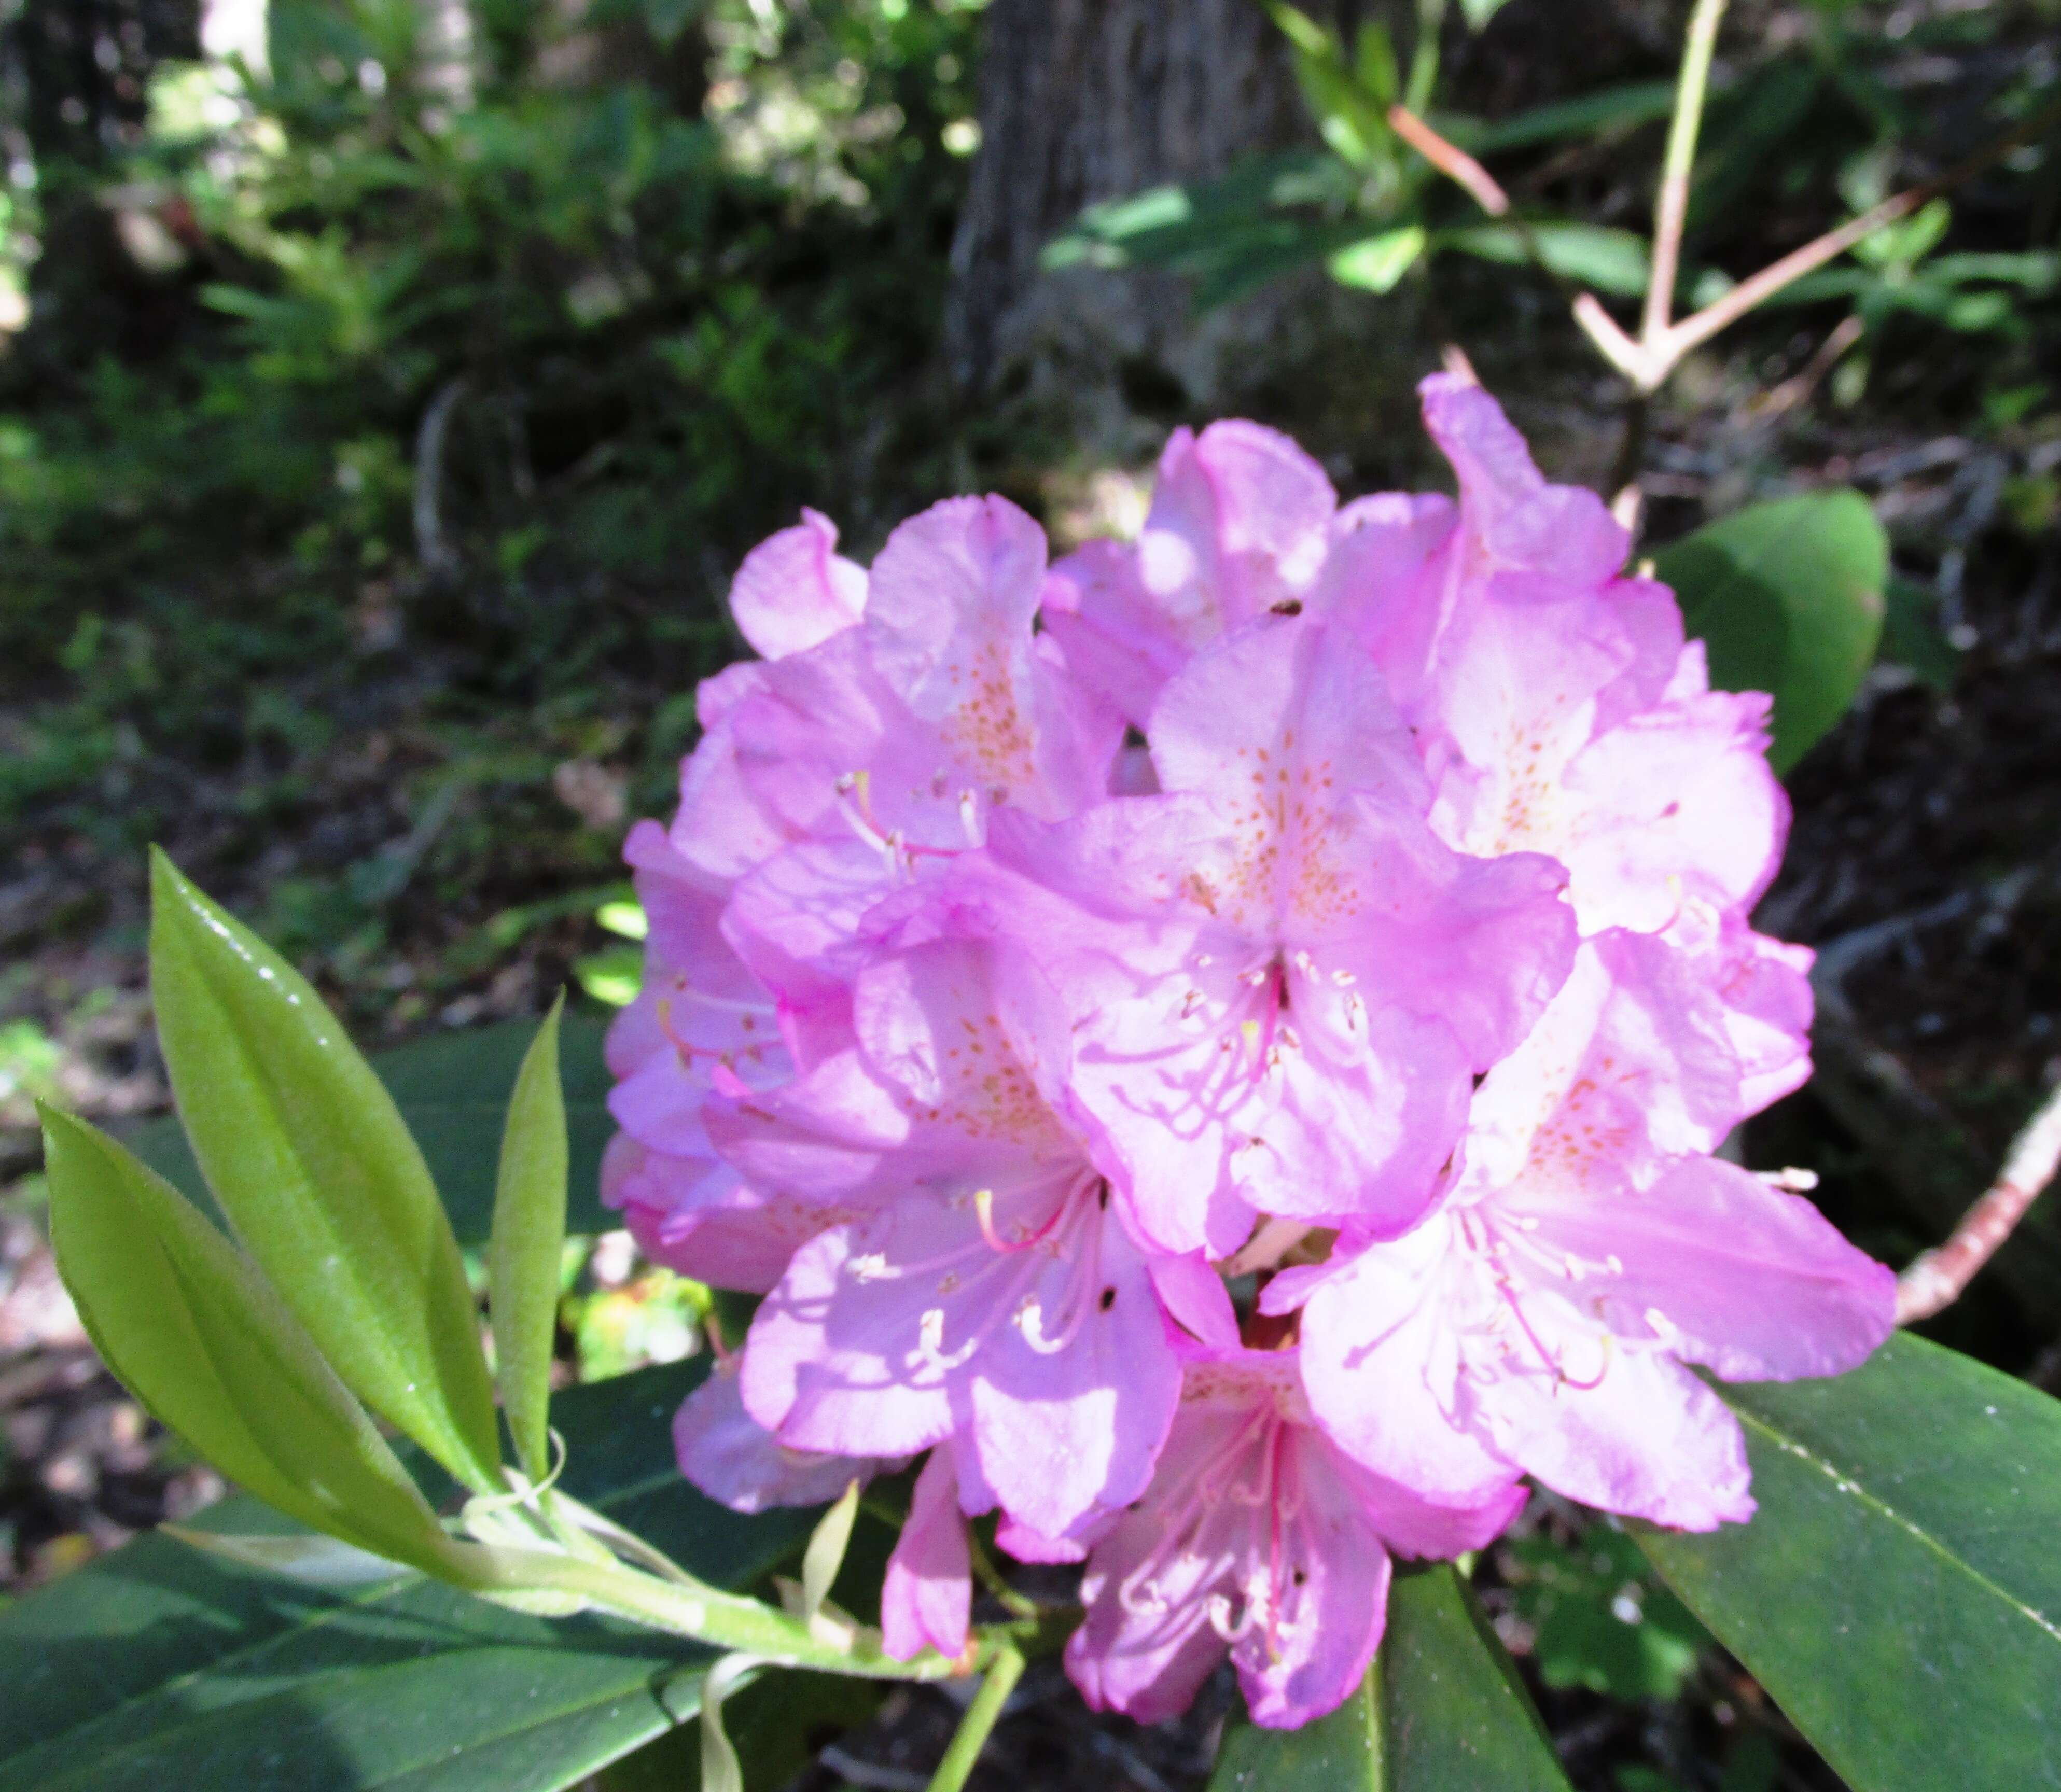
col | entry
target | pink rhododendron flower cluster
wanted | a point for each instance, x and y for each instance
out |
(1222, 1042)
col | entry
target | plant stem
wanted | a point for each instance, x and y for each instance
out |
(1672, 211)
(1003, 1672)
(1451, 160)
(1936, 1277)
(1646, 364)
(705, 1614)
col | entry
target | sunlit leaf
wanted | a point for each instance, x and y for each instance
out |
(306, 1154)
(1899, 1592)
(1788, 598)
(203, 1342)
(1376, 264)
(452, 1090)
(527, 1243)
(1589, 254)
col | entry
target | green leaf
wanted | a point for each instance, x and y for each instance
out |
(1788, 597)
(1910, 637)
(1441, 1710)
(1477, 13)
(307, 1155)
(1377, 263)
(1611, 260)
(825, 1554)
(528, 1240)
(1458, 1717)
(453, 1091)
(1599, 1620)
(157, 1665)
(194, 1332)
(1610, 109)
(1899, 1592)
(778, 1724)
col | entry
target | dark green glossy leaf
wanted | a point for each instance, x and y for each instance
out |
(159, 1665)
(1899, 1592)
(1442, 1711)
(201, 1339)
(1788, 596)
(306, 1154)
(529, 1239)
(453, 1091)
(1457, 1716)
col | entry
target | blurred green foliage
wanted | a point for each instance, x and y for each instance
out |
(614, 300)
(1830, 104)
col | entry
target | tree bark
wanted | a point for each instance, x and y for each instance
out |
(1087, 100)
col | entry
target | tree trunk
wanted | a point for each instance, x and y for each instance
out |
(1087, 100)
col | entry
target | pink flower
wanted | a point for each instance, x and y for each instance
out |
(1258, 1537)
(739, 1463)
(898, 710)
(1401, 957)
(927, 1600)
(1540, 1320)
(794, 591)
(1238, 523)
(1557, 708)
(994, 1292)
(1280, 983)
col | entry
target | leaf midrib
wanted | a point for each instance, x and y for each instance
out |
(1845, 1484)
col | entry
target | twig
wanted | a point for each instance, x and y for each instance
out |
(1451, 160)
(1646, 364)
(971, 1737)
(1800, 385)
(1936, 1279)
(1671, 210)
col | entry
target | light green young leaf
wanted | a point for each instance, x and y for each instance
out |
(303, 1148)
(529, 1239)
(1300, 30)
(314, 1561)
(1477, 13)
(1787, 596)
(1377, 263)
(825, 1554)
(197, 1334)
(721, 1771)
(1374, 63)
(1899, 1592)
